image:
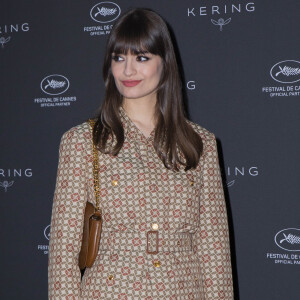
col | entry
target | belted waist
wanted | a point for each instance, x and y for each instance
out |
(152, 241)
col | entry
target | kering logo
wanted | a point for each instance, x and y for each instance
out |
(239, 171)
(286, 71)
(5, 184)
(191, 85)
(13, 173)
(221, 22)
(12, 28)
(4, 40)
(213, 10)
(55, 84)
(105, 12)
(288, 239)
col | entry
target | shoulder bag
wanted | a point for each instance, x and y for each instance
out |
(92, 218)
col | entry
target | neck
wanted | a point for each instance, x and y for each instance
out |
(141, 110)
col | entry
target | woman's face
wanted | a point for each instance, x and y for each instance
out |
(136, 76)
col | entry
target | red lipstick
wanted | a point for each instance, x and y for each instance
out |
(130, 83)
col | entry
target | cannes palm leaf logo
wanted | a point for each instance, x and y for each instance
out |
(105, 11)
(288, 239)
(286, 71)
(55, 84)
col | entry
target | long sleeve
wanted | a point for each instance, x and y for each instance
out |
(64, 277)
(213, 238)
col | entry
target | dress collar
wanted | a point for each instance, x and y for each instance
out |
(131, 131)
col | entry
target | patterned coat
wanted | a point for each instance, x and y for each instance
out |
(145, 206)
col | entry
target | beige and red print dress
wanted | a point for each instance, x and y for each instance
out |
(164, 235)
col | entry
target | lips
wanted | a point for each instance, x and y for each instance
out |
(130, 83)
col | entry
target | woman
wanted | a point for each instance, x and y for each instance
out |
(165, 231)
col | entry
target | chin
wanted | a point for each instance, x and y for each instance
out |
(131, 95)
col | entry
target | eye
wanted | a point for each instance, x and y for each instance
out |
(117, 58)
(142, 58)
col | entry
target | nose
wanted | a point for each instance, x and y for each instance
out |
(129, 68)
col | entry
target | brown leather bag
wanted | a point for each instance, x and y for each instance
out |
(92, 219)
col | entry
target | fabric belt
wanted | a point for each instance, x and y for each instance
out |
(153, 241)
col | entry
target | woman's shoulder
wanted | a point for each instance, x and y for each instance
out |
(80, 133)
(204, 133)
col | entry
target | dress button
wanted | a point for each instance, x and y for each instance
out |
(154, 226)
(192, 182)
(114, 182)
(110, 277)
(156, 263)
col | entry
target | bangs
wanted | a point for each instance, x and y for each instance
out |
(135, 36)
(135, 47)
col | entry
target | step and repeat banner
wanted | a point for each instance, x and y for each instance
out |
(240, 65)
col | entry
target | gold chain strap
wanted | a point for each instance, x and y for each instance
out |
(95, 168)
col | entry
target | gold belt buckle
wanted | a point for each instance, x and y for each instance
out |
(148, 242)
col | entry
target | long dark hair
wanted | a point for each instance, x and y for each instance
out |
(142, 30)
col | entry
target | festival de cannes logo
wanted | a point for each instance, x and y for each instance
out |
(47, 232)
(45, 248)
(55, 84)
(105, 12)
(288, 239)
(286, 71)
